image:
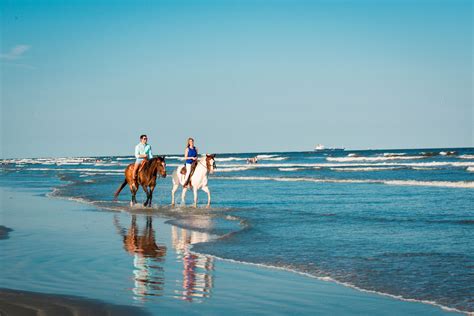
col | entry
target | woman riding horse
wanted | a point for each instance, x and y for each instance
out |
(198, 180)
(190, 157)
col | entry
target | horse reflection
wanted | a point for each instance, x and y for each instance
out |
(197, 277)
(147, 257)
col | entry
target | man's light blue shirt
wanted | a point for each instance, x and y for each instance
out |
(141, 149)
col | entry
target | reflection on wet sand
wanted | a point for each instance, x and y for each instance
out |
(148, 256)
(197, 269)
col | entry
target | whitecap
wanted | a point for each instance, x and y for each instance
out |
(230, 159)
(232, 169)
(446, 184)
(365, 168)
(368, 159)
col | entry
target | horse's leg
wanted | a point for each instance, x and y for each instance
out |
(173, 191)
(152, 188)
(145, 188)
(183, 196)
(206, 189)
(195, 191)
(132, 192)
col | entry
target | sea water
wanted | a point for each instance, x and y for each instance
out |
(398, 222)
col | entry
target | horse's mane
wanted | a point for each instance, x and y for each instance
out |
(150, 163)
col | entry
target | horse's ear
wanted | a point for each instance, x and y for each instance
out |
(163, 158)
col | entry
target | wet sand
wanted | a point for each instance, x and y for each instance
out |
(127, 265)
(13, 302)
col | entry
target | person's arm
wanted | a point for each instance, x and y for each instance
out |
(150, 155)
(137, 152)
(185, 154)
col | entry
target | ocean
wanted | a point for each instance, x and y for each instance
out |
(394, 222)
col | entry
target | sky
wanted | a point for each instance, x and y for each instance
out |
(85, 78)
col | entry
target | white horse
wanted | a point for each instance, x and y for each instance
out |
(205, 165)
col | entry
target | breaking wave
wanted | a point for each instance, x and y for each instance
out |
(445, 184)
(291, 169)
(361, 169)
(384, 158)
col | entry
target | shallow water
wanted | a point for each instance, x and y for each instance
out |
(397, 222)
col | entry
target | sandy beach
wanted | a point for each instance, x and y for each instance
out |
(122, 262)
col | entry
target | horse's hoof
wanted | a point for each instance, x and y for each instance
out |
(131, 204)
(208, 206)
(172, 204)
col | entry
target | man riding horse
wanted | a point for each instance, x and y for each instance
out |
(144, 172)
(142, 152)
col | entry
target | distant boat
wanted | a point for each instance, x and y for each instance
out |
(322, 148)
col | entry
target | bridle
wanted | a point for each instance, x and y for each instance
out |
(163, 165)
(208, 165)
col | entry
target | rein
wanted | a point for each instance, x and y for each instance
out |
(205, 166)
(208, 165)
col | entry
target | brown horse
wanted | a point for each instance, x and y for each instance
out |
(146, 178)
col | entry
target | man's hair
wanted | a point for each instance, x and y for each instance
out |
(142, 136)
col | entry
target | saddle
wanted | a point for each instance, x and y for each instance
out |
(193, 167)
(142, 164)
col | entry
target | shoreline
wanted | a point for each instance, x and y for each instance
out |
(268, 266)
(267, 269)
(348, 285)
(159, 208)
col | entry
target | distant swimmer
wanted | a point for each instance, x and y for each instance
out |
(252, 160)
(142, 153)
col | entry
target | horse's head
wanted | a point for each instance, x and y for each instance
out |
(161, 166)
(211, 162)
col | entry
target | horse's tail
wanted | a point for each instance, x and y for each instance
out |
(120, 189)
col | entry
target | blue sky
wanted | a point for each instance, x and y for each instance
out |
(82, 78)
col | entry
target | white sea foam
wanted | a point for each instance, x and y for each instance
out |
(266, 156)
(365, 168)
(466, 157)
(446, 184)
(230, 159)
(356, 164)
(96, 171)
(180, 158)
(232, 169)
(50, 161)
(290, 169)
(470, 169)
(399, 164)
(385, 158)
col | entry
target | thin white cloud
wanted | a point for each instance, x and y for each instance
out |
(16, 52)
